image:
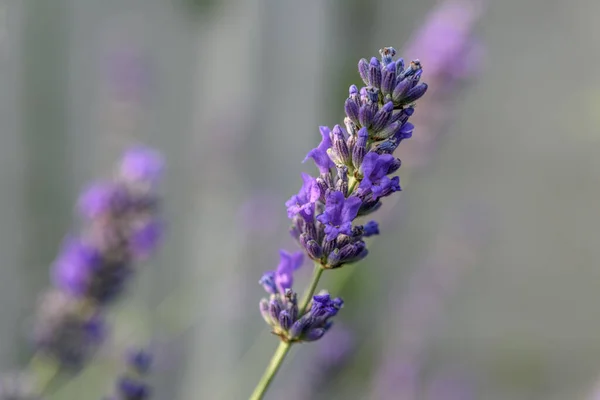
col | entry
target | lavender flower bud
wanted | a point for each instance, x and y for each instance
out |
(401, 89)
(369, 206)
(352, 129)
(339, 145)
(343, 240)
(388, 80)
(385, 147)
(386, 132)
(313, 249)
(314, 334)
(299, 326)
(334, 260)
(363, 70)
(351, 108)
(365, 115)
(383, 117)
(328, 246)
(360, 148)
(415, 93)
(375, 73)
(274, 310)
(285, 320)
(352, 252)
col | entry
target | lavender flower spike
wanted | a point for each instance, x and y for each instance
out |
(355, 167)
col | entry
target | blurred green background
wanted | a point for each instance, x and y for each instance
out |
(233, 94)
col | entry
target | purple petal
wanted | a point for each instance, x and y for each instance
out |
(319, 154)
(334, 206)
(350, 209)
(368, 163)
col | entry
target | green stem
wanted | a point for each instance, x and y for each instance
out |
(274, 364)
(284, 347)
(311, 289)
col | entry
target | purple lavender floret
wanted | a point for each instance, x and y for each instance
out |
(319, 154)
(339, 214)
(282, 278)
(303, 203)
(356, 162)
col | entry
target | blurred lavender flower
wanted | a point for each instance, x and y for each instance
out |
(121, 227)
(131, 385)
(448, 44)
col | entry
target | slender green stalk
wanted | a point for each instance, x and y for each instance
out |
(284, 347)
(272, 368)
(311, 289)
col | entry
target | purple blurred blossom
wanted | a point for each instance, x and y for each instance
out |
(121, 226)
(448, 44)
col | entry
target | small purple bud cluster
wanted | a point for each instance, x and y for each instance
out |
(355, 162)
(132, 385)
(121, 227)
(281, 310)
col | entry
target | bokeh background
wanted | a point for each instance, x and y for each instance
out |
(484, 283)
